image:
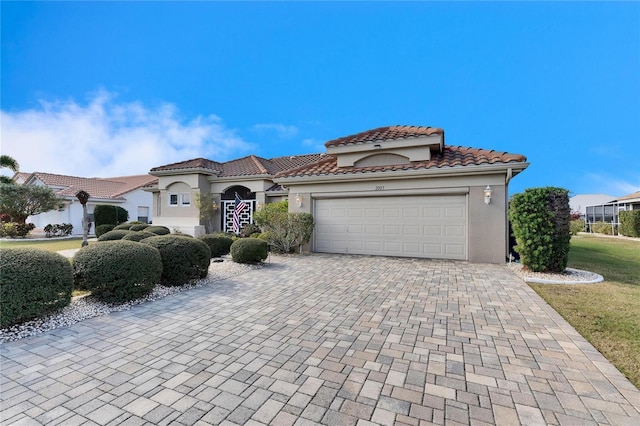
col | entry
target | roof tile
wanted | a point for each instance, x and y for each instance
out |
(452, 156)
(111, 188)
(385, 133)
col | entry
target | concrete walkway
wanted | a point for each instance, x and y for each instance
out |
(330, 339)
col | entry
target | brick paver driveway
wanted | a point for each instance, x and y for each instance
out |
(337, 340)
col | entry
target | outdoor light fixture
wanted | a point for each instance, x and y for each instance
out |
(215, 206)
(487, 195)
(260, 206)
(299, 200)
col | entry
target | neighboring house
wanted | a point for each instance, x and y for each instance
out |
(609, 211)
(392, 191)
(127, 192)
(578, 203)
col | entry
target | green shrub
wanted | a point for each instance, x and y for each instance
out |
(103, 229)
(158, 230)
(630, 223)
(117, 271)
(284, 231)
(540, 219)
(124, 226)
(602, 228)
(116, 234)
(249, 250)
(138, 236)
(14, 229)
(107, 214)
(219, 245)
(58, 230)
(138, 226)
(183, 258)
(576, 225)
(249, 228)
(33, 283)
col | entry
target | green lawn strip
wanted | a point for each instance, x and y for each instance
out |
(49, 245)
(606, 314)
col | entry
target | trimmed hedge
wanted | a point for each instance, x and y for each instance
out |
(249, 250)
(138, 236)
(103, 229)
(602, 228)
(630, 223)
(33, 283)
(183, 259)
(138, 226)
(117, 271)
(124, 226)
(540, 218)
(219, 245)
(158, 230)
(577, 225)
(106, 214)
(116, 234)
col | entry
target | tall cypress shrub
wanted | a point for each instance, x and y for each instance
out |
(541, 224)
(104, 214)
(630, 223)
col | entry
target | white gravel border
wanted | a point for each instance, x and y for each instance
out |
(570, 276)
(82, 308)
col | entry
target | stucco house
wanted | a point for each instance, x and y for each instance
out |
(124, 191)
(391, 191)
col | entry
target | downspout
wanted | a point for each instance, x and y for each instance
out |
(506, 201)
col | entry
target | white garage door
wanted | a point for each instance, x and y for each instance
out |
(411, 226)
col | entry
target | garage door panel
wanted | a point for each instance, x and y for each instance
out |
(415, 226)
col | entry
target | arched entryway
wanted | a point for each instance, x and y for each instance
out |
(244, 214)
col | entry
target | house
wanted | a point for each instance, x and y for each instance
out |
(124, 191)
(579, 203)
(608, 211)
(392, 191)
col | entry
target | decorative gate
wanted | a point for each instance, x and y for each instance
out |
(246, 216)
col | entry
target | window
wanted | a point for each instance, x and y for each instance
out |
(143, 214)
(173, 199)
(185, 199)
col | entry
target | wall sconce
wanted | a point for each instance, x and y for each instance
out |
(215, 206)
(260, 206)
(487, 194)
(299, 200)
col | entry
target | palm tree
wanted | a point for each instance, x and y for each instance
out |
(8, 162)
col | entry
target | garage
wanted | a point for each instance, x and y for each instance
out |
(429, 226)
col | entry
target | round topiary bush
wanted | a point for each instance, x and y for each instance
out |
(158, 230)
(138, 236)
(249, 250)
(183, 258)
(138, 227)
(116, 234)
(33, 283)
(124, 226)
(103, 229)
(219, 245)
(117, 271)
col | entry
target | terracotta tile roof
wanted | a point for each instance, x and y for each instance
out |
(250, 165)
(195, 163)
(385, 133)
(111, 188)
(452, 156)
(634, 196)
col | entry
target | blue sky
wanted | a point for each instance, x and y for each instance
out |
(115, 88)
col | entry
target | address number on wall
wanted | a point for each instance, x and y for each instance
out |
(379, 187)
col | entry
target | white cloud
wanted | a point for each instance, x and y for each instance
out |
(282, 130)
(315, 145)
(105, 138)
(610, 185)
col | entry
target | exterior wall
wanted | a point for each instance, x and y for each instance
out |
(487, 227)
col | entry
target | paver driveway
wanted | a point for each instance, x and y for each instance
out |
(329, 339)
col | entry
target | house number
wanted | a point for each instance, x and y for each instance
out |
(380, 188)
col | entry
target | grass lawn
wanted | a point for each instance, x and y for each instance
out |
(606, 314)
(49, 245)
